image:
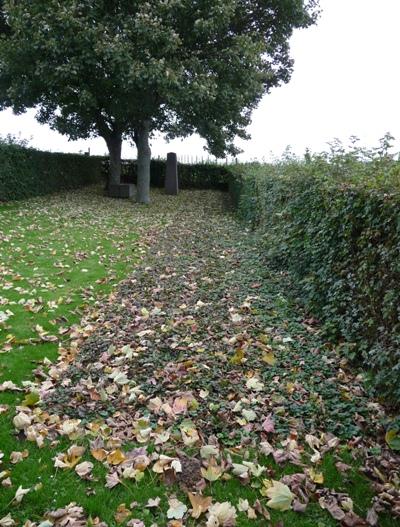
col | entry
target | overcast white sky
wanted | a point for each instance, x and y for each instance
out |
(346, 82)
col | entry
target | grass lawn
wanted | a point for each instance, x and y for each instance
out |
(199, 356)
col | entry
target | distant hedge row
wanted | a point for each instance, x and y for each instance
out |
(335, 225)
(25, 172)
(196, 176)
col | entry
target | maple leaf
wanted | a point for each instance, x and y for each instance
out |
(254, 384)
(238, 357)
(269, 358)
(22, 421)
(190, 435)
(20, 494)
(208, 451)
(163, 463)
(330, 503)
(31, 399)
(17, 457)
(70, 459)
(112, 480)
(279, 494)
(316, 477)
(9, 385)
(153, 503)
(116, 457)
(200, 504)
(122, 513)
(212, 473)
(142, 430)
(135, 523)
(180, 405)
(84, 469)
(177, 509)
(255, 470)
(221, 515)
(7, 521)
(243, 505)
(268, 425)
(249, 415)
(99, 454)
(71, 428)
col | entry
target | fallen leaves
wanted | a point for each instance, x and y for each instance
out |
(84, 470)
(7, 521)
(200, 504)
(221, 515)
(116, 457)
(122, 513)
(21, 421)
(177, 509)
(279, 494)
(99, 453)
(21, 492)
(17, 457)
(184, 364)
(69, 459)
(392, 438)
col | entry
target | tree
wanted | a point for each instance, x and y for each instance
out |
(124, 69)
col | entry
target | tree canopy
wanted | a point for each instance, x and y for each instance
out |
(123, 69)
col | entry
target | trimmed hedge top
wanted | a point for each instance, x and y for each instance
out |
(25, 172)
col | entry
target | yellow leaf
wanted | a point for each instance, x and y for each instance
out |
(269, 358)
(238, 357)
(316, 477)
(290, 387)
(31, 399)
(116, 457)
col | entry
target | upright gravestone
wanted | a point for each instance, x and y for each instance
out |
(171, 178)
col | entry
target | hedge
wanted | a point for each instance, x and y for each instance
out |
(25, 172)
(334, 224)
(195, 176)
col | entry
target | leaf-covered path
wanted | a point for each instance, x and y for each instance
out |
(201, 370)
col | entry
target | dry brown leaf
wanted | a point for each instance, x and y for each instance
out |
(199, 503)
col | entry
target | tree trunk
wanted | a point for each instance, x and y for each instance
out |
(143, 163)
(114, 144)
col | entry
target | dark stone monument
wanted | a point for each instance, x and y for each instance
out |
(121, 190)
(171, 178)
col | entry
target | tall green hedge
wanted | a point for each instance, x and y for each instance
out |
(195, 176)
(335, 225)
(25, 172)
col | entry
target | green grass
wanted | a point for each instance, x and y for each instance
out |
(66, 253)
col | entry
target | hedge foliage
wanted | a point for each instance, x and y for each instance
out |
(195, 176)
(25, 172)
(333, 221)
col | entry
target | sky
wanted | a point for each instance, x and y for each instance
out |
(346, 81)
